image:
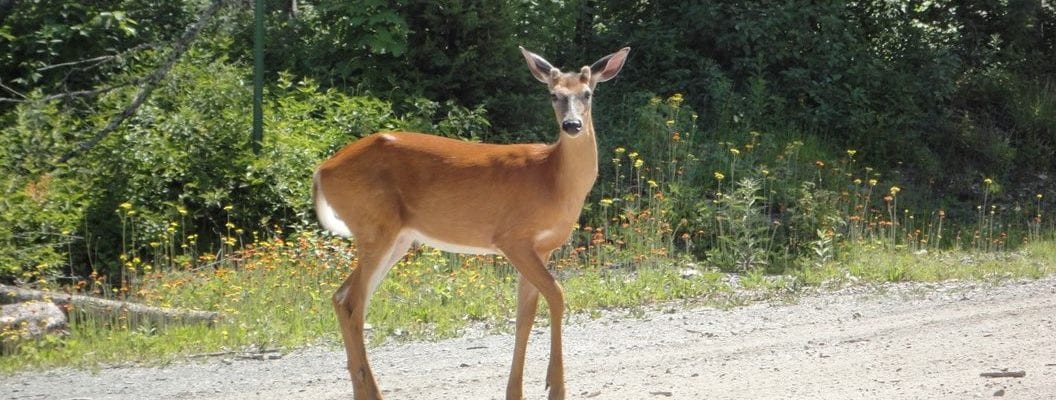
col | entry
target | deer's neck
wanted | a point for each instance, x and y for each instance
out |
(577, 158)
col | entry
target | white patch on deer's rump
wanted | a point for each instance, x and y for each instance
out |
(328, 218)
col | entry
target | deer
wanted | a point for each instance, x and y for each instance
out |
(390, 190)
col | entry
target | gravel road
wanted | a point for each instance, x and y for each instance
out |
(896, 341)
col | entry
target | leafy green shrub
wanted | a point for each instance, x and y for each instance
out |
(39, 208)
(176, 185)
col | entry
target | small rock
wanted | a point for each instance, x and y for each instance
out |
(31, 320)
(999, 393)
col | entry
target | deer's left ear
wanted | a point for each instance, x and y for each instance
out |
(607, 67)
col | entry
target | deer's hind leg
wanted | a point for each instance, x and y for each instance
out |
(377, 253)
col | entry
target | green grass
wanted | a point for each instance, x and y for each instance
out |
(877, 264)
(277, 295)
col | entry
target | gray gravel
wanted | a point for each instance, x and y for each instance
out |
(901, 341)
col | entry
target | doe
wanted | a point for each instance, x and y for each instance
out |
(392, 189)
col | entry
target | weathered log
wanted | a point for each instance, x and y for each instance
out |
(133, 313)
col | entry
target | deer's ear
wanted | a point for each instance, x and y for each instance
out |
(607, 67)
(541, 69)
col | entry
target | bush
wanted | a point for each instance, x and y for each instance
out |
(176, 185)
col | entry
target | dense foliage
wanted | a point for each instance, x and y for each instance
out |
(762, 133)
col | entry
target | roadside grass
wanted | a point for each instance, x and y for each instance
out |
(276, 295)
(875, 264)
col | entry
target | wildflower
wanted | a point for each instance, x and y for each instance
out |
(633, 155)
(620, 150)
(851, 152)
(988, 181)
(719, 176)
(605, 202)
(126, 206)
(735, 151)
(1038, 196)
(872, 182)
(895, 190)
(675, 99)
(857, 181)
(765, 172)
(229, 207)
(670, 122)
(820, 164)
(675, 137)
(652, 183)
(638, 163)
(182, 210)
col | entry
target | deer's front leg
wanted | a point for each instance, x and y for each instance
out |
(532, 267)
(527, 302)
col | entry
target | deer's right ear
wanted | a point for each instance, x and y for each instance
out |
(541, 69)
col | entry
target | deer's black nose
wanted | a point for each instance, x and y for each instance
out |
(572, 125)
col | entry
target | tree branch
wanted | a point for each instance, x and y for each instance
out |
(13, 91)
(76, 93)
(98, 60)
(148, 86)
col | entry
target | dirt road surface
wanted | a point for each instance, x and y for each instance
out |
(901, 341)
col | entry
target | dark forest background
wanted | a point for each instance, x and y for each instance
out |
(953, 102)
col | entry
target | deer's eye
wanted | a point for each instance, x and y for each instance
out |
(586, 95)
(554, 97)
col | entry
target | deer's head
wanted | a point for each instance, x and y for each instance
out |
(571, 92)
